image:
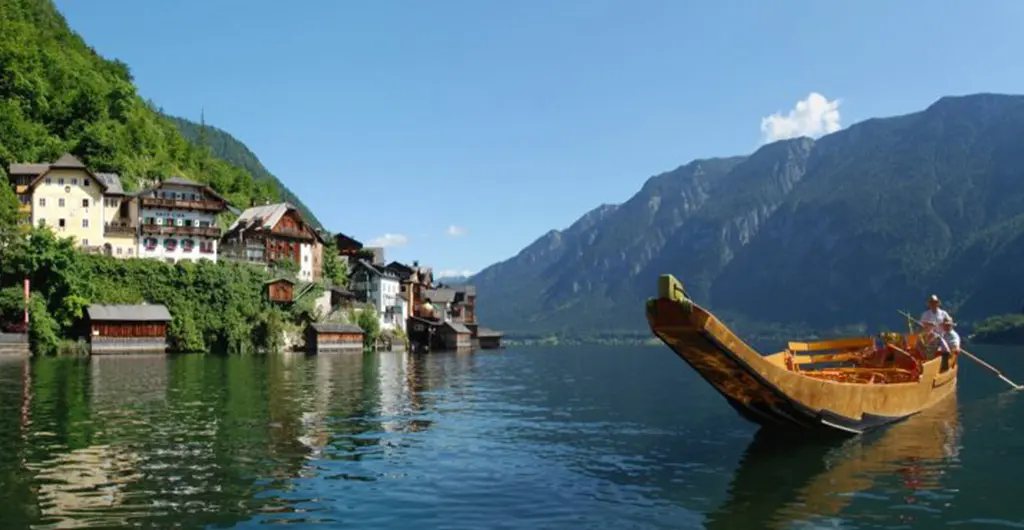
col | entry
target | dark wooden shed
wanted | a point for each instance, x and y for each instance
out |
(127, 328)
(456, 336)
(489, 339)
(333, 338)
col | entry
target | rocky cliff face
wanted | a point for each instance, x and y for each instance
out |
(840, 231)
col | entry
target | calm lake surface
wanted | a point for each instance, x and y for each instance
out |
(588, 437)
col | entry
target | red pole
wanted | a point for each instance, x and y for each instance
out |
(26, 300)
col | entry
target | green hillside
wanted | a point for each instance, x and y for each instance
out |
(57, 94)
(226, 147)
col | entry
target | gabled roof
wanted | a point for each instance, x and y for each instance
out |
(27, 169)
(375, 270)
(488, 332)
(465, 288)
(181, 181)
(327, 327)
(113, 182)
(129, 312)
(266, 217)
(66, 161)
(347, 241)
(458, 327)
(443, 295)
(279, 279)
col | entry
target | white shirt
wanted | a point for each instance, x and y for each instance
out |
(934, 318)
(951, 339)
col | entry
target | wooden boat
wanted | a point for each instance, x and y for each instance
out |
(843, 386)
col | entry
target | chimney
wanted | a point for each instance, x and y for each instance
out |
(415, 263)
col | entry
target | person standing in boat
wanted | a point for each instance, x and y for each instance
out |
(933, 318)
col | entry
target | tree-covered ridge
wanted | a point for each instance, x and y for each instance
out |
(226, 147)
(802, 235)
(58, 95)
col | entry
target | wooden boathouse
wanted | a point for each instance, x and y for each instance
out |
(456, 336)
(127, 328)
(333, 338)
(488, 339)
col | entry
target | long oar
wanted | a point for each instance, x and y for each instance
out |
(972, 356)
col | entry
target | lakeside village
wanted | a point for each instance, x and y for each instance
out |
(175, 220)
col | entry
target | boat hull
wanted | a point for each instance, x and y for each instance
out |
(765, 391)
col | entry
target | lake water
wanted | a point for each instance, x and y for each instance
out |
(588, 437)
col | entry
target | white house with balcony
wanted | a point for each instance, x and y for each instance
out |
(178, 221)
(381, 288)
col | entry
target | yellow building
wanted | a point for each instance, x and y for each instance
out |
(75, 202)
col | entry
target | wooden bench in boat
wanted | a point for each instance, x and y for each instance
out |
(827, 351)
(870, 363)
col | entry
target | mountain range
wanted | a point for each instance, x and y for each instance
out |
(801, 234)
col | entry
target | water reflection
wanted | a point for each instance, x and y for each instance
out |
(782, 481)
(209, 440)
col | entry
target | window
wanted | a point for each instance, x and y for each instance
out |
(42, 201)
(60, 181)
(60, 223)
(85, 242)
(74, 182)
(60, 202)
(85, 182)
(118, 251)
(85, 203)
(186, 245)
(170, 244)
(49, 180)
(129, 251)
(85, 223)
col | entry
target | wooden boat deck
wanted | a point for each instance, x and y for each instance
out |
(786, 390)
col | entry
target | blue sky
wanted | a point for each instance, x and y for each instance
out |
(508, 119)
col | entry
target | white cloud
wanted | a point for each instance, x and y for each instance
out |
(451, 273)
(456, 231)
(388, 240)
(812, 117)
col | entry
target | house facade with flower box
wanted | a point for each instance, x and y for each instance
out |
(178, 221)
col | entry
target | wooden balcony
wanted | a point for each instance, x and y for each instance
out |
(25, 208)
(119, 229)
(181, 204)
(293, 234)
(171, 230)
(21, 189)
